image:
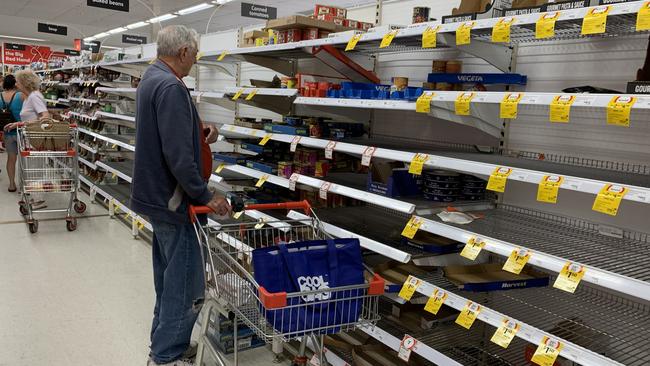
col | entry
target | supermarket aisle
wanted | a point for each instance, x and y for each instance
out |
(75, 299)
(81, 298)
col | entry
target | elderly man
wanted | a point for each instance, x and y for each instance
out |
(170, 174)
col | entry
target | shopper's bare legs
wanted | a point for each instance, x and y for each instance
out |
(11, 170)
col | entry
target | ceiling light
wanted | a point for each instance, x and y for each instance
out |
(111, 47)
(22, 38)
(162, 18)
(88, 39)
(136, 25)
(221, 2)
(117, 30)
(195, 8)
(101, 35)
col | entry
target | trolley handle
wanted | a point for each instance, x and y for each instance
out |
(239, 206)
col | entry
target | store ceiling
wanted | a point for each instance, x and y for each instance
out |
(20, 17)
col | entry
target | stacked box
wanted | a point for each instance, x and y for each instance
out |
(220, 332)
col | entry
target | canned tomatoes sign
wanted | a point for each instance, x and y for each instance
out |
(120, 5)
(258, 11)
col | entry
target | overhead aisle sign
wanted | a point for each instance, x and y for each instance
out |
(119, 5)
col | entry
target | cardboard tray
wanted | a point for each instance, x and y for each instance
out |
(431, 243)
(490, 277)
(301, 21)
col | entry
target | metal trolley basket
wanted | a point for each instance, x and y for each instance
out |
(48, 164)
(231, 287)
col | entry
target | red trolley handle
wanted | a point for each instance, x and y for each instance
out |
(303, 205)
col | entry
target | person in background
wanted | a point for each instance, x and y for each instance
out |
(168, 176)
(11, 100)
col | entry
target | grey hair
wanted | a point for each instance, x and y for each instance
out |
(29, 80)
(174, 37)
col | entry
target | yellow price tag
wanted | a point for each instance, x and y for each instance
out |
(643, 17)
(498, 179)
(114, 175)
(409, 287)
(569, 277)
(463, 33)
(251, 94)
(435, 301)
(473, 248)
(423, 104)
(412, 227)
(501, 30)
(220, 168)
(517, 260)
(509, 105)
(222, 56)
(238, 94)
(114, 146)
(463, 100)
(199, 55)
(417, 163)
(545, 25)
(505, 333)
(152, 61)
(609, 199)
(618, 110)
(352, 43)
(262, 180)
(547, 352)
(560, 108)
(430, 37)
(265, 139)
(548, 188)
(388, 39)
(140, 225)
(237, 215)
(468, 315)
(595, 22)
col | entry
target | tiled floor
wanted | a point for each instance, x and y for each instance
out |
(75, 298)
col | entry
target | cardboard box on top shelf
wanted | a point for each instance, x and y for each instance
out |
(518, 4)
(301, 21)
(490, 277)
(471, 6)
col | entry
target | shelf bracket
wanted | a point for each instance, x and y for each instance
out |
(495, 54)
(282, 66)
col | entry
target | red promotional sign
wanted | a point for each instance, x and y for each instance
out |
(18, 54)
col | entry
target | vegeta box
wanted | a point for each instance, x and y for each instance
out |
(287, 130)
(230, 158)
(490, 277)
(487, 78)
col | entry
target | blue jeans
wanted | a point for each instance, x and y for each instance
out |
(180, 289)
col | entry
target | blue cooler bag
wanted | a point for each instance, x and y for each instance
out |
(311, 266)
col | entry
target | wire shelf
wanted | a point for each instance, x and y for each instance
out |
(568, 238)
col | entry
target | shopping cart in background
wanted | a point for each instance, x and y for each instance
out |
(48, 165)
(307, 314)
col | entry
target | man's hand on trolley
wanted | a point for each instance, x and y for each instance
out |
(219, 205)
(11, 126)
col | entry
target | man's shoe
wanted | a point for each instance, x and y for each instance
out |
(190, 352)
(180, 362)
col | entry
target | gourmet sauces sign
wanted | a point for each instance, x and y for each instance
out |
(21, 54)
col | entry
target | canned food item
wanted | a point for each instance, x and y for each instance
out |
(400, 83)
(310, 33)
(473, 190)
(428, 86)
(288, 82)
(454, 67)
(442, 191)
(439, 66)
(440, 198)
(441, 176)
(436, 185)
(444, 86)
(421, 14)
(293, 35)
(282, 36)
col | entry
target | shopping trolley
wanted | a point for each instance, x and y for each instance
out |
(231, 288)
(48, 164)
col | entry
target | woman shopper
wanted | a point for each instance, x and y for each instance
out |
(33, 109)
(11, 104)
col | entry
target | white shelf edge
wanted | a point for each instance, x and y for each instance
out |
(110, 169)
(334, 188)
(372, 245)
(107, 139)
(87, 148)
(637, 288)
(586, 185)
(114, 116)
(87, 163)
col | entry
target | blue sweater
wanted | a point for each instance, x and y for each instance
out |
(167, 171)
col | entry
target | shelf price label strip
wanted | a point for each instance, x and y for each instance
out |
(627, 285)
(470, 309)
